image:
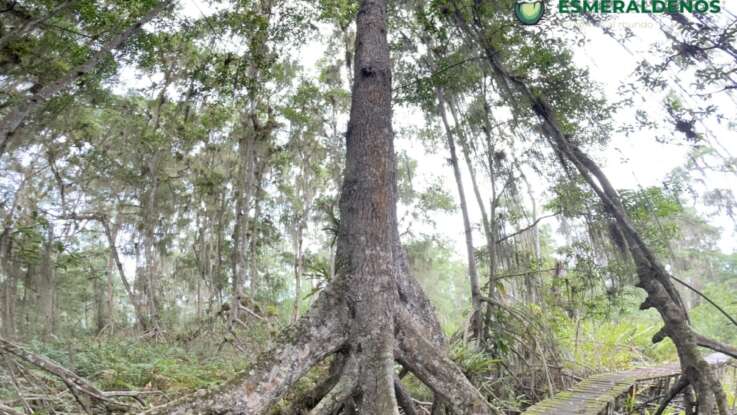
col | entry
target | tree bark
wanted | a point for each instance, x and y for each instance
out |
(364, 247)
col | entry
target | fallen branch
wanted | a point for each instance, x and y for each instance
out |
(73, 382)
(8, 410)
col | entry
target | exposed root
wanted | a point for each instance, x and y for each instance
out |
(404, 399)
(311, 398)
(315, 336)
(436, 370)
(674, 390)
(342, 391)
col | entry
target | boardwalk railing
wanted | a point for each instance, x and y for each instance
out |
(606, 393)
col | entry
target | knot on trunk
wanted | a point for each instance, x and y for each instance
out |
(368, 71)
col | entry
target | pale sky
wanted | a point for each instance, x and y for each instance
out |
(647, 161)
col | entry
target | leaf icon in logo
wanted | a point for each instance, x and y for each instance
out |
(529, 12)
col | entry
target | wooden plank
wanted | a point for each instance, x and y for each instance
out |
(594, 395)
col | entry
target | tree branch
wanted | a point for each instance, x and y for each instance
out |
(74, 382)
(715, 345)
(525, 229)
(702, 295)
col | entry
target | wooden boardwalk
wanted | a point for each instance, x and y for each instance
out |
(602, 393)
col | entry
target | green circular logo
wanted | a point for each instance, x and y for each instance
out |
(529, 12)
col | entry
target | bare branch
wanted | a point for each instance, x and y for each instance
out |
(716, 346)
(525, 229)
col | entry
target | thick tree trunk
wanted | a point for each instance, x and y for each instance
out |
(18, 114)
(373, 312)
(365, 239)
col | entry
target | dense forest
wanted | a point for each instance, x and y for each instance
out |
(362, 206)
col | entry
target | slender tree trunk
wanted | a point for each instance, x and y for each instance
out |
(99, 295)
(531, 279)
(110, 292)
(8, 287)
(152, 269)
(493, 239)
(242, 196)
(18, 114)
(254, 277)
(111, 235)
(46, 287)
(298, 268)
(476, 322)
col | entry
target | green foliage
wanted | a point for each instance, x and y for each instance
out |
(707, 320)
(623, 342)
(342, 12)
(474, 363)
(126, 364)
(444, 280)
